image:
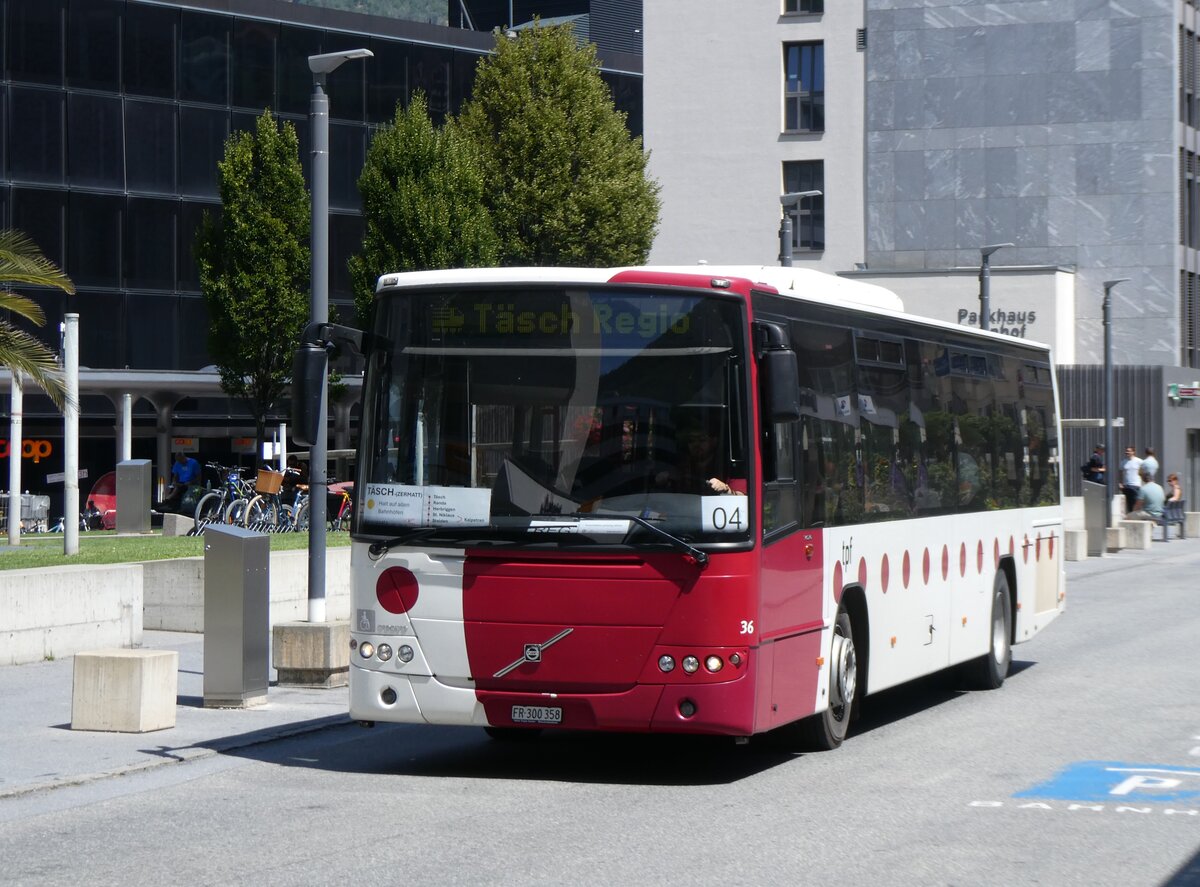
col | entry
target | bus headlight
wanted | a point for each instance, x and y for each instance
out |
(690, 664)
(385, 652)
(405, 653)
(712, 663)
(666, 663)
(366, 649)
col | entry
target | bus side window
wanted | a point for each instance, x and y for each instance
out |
(780, 487)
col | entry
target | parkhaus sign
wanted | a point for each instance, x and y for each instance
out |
(1007, 323)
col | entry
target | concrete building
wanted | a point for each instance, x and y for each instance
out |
(1066, 129)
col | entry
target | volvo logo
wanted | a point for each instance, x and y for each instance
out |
(533, 653)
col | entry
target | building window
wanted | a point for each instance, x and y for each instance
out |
(808, 213)
(803, 5)
(804, 87)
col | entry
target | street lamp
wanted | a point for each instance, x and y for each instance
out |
(1109, 454)
(985, 284)
(792, 198)
(321, 66)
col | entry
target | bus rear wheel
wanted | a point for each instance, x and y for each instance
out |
(989, 671)
(827, 730)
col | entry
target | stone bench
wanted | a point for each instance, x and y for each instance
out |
(1115, 537)
(124, 691)
(177, 524)
(1139, 534)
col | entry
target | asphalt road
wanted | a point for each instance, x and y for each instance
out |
(1084, 769)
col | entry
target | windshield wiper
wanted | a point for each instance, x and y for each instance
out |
(379, 549)
(688, 550)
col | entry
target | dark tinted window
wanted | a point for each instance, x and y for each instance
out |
(204, 60)
(202, 134)
(149, 50)
(345, 239)
(94, 239)
(150, 241)
(295, 79)
(387, 80)
(35, 132)
(429, 71)
(95, 145)
(151, 148)
(347, 153)
(41, 216)
(190, 215)
(150, 331)
(101, 328)
(254, 63)
(193, 334)
(34, 41)
(345, 86)
(93, 34)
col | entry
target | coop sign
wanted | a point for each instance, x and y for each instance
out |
(37, 450)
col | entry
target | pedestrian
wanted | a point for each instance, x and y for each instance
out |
(1093, 469)
(1174, 491)
(1131, 481)
(1149, 505)
(1150, 463)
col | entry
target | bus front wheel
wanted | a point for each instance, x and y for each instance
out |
(827, 730)
(989, 671)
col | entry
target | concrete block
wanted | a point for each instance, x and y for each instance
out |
(125, 691)
(177, 524)
(1191, 524)
(311, 654)
(1115, 538)
(1138, 533)
(1075, 545)
(1073, 518)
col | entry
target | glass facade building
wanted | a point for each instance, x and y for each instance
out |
(115, 115)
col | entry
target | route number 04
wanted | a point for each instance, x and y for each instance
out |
(721, 514)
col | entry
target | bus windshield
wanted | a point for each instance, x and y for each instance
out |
(507, 415)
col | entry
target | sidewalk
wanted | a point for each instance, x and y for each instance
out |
(39, 750)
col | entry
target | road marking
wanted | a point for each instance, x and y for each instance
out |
(1115, 781)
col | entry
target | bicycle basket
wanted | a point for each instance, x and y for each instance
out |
(268, 482)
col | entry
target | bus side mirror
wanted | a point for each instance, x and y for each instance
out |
(308, 371)
(777, 373)
(781, 385)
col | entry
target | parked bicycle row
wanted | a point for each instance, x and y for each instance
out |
(263, 499)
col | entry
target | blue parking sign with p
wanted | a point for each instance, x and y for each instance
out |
(1117, 781)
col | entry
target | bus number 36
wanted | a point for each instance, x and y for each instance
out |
(747, 626)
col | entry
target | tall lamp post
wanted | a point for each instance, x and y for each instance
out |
(321, 66)
(792, 198)
(1109, 453)
(985, 283)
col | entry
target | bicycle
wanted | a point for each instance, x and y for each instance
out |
(340, 505)
(266, 509)
(215, 505)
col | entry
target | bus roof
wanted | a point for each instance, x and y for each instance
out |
(786, 281)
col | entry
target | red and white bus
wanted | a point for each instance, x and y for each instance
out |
(689, 500)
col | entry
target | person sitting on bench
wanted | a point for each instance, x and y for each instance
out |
(1149, 504)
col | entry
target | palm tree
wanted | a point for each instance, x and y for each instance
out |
(21, 262)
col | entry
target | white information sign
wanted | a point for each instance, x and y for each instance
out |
(410, 506)
(723, 514)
